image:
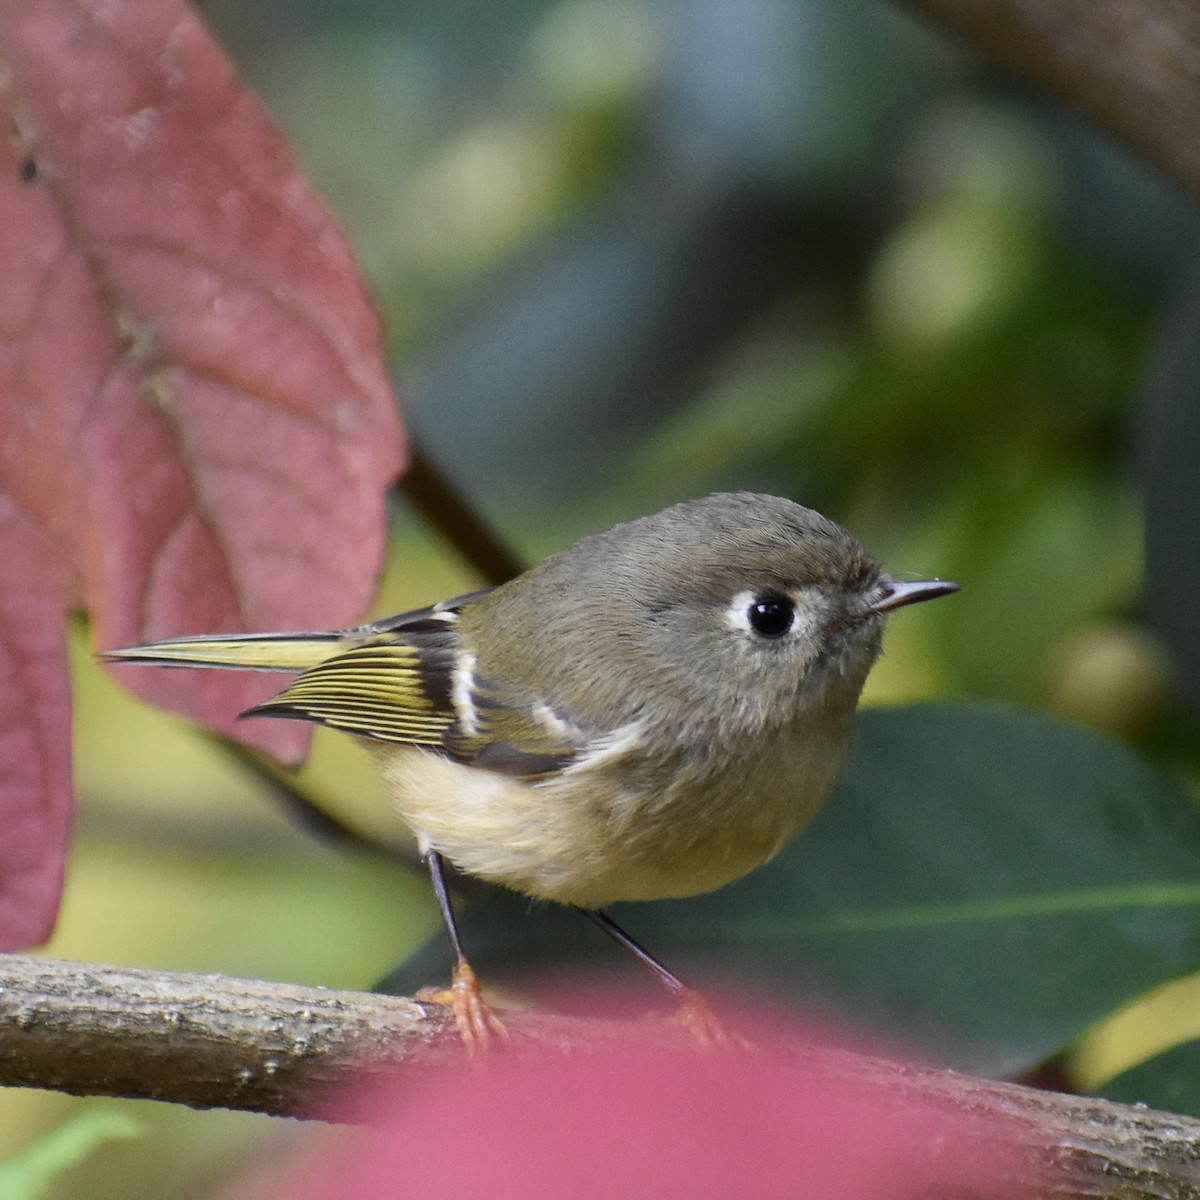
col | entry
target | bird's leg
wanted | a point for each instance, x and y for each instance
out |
(476, 1022)
(694, 1014)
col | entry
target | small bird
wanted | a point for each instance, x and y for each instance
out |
(651, 713)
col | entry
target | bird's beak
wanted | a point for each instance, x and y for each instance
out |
(897, 595)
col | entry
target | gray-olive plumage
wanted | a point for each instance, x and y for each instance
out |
(653, 712)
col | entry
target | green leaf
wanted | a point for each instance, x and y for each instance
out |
(29, 1174)
(991, 873)
(1170, 1080)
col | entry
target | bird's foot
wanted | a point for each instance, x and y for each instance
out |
(477, 1024)
(696, 1017)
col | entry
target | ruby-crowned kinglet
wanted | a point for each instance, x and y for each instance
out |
(651, 713)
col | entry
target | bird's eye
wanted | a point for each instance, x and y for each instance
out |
(771, 616)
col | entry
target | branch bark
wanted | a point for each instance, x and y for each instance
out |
(1132, 66)
(212, 1041)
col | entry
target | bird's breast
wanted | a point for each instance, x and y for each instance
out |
(627, 827)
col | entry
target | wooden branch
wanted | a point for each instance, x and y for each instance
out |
(1132, 66)
(212, 1041)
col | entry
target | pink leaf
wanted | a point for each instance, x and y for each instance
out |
(649, 1122)
(35, 763)
(195, 425)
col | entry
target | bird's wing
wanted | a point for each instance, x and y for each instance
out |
(407, 683)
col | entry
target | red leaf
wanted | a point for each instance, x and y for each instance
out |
(660, 1123)
(35, 734)
(194, 419)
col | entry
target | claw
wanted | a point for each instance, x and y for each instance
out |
(477, 1024)
(696, 1017)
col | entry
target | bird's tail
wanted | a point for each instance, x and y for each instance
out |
(241, 651)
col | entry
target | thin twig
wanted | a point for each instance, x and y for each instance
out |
(440, 503)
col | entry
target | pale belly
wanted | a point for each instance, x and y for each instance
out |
(587, 843)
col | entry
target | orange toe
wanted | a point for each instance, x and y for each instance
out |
(478, 1025)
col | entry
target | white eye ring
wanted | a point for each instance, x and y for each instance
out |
(768, 614)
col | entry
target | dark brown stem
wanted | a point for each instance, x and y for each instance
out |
(1132, 66)
(442, 506)
(305, 812)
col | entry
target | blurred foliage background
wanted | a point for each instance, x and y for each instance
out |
(633, 250)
